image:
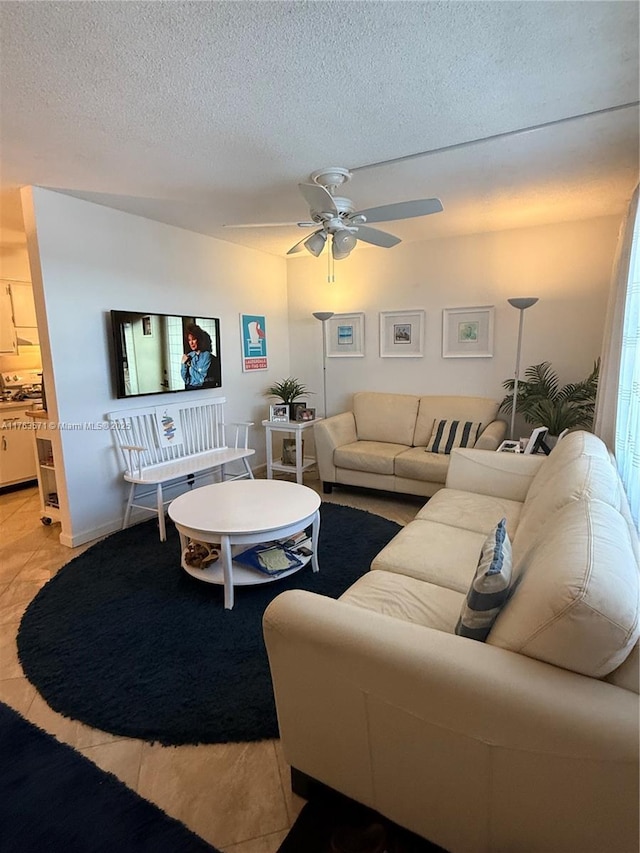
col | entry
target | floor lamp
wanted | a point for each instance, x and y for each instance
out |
(323, 316)
(521, 303)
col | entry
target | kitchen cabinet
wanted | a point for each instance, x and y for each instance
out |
(17, 463)
(22, 303)
(8, 342)
(18, 323)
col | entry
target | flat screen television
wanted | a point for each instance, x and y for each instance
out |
(163, 353)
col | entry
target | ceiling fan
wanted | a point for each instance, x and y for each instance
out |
(338, 222)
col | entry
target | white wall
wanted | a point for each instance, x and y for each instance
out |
(568, 266)
(88, 259)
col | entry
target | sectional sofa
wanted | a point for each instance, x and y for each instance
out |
(525, 743)
(381, 442)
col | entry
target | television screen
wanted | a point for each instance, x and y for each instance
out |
(161, 353)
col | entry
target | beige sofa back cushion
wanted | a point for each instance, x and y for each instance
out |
(385, 417)
(587, 477)
(480, 409)
(576, 603)
(570, 448)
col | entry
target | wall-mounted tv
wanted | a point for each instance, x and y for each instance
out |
(161, 353)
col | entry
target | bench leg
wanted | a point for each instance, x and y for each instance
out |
(160, 506)
(127, 513)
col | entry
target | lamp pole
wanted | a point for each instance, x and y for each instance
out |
(323, 316)
(521, 303)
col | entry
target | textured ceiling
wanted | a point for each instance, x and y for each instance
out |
(203, 114)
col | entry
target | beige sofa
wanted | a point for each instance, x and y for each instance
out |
(526, 743)
(380, 444)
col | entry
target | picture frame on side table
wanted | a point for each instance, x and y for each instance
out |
(467, 332)
(279, 412)
(402, 334)
(296, 408)
(345, 335)
(536, 441)
(306, 414)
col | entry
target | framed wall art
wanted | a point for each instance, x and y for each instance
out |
(467, 332)
(345, 335)
(254, 342)
(402, 334)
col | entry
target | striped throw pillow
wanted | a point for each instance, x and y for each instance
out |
(489, 589)
(449, 434)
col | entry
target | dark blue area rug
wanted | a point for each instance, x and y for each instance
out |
(125, 641)
(54, 799)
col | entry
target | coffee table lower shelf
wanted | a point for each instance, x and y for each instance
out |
(242, 575)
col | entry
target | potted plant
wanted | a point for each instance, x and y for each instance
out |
(542, 402)
(288, 390)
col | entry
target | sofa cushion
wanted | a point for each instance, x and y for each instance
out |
(437, 553)
(480, 409)
(489, 588)
(446, 435)
(415, 464)
(385, 417)
(480, 513)
(573, 446)
(576, 603)
(586, 477)
(374, 457)
(406, 598)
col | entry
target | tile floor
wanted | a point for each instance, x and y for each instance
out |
(235, 796)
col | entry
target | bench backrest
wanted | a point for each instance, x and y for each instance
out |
(170, 431)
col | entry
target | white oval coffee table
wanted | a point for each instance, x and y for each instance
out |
(240, 513)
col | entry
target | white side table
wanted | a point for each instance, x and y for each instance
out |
(302, 463)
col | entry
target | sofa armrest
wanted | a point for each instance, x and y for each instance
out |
(331, 433)
(487, 693)
(485, 472)
(397, 715)
(492, 436)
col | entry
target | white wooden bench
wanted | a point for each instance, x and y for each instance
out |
(173, 443)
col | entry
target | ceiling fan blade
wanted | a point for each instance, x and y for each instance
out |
(299, 246)
(318, 198)
(401, 210)
(376, 237)
(273, 225)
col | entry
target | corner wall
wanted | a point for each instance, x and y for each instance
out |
(567, 265)
(87, 259)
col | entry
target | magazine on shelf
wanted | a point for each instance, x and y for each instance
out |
(273, 558)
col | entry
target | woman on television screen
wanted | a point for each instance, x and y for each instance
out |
(196, 362)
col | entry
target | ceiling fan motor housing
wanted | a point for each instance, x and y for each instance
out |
(332, 177)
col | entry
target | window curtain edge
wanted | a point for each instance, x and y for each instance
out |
(604, 422)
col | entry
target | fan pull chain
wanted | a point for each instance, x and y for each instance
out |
(330, 265)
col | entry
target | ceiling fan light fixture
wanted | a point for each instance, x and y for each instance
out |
(343, 242)
(315, 243)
